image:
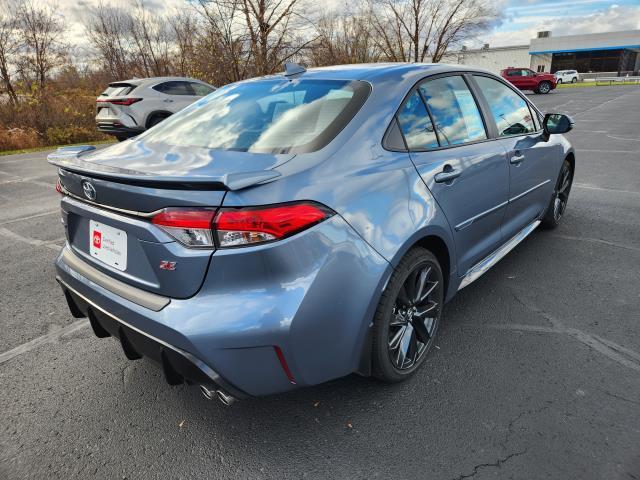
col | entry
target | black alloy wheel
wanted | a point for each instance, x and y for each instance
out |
(408, 316)
(560, 197)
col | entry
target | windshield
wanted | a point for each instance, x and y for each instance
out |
(271, 116)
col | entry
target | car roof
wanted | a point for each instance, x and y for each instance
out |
(148, 80)
(380, 72)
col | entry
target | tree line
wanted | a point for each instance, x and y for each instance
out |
(219, 41)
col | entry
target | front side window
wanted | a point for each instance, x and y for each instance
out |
(416, 125)
(509, 110)
(270, 116)
(454, 111)
(514, 73)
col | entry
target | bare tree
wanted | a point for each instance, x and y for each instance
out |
(9, 48)
(344, 39)
(151, 37)
(42, 31)
(423, 30)
(225, 39)
(271, 25)
(108, 31)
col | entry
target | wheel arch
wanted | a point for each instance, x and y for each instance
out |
(439, 241)
(571, 158)
(156, 113)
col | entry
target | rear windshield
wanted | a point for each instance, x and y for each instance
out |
(117, 90)
(271, 116)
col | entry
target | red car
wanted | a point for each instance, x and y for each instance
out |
(526, 79)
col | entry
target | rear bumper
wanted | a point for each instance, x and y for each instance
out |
(117, 128)
(177, 365)
(312, 295)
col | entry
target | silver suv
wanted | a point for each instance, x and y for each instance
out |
(130, 107)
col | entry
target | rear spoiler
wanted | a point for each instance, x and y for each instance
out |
(68, 158)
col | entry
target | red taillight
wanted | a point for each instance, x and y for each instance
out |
(59, 187)
(119, 101)
(244, 226)
(236, 227)
(190, 226)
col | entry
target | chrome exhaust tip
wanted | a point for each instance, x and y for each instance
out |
(225, 398)
(221, 395)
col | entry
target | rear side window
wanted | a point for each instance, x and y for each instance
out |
(118, 90)
(201, 89)
(509, 110)
(175, 88)
(269, 116)
(453, 109)
(416, 125)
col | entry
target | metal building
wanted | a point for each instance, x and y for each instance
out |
(616, 53)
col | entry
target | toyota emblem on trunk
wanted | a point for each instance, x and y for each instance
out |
(89, 190)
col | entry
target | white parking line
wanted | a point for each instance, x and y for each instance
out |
(619, 354)
(29, 217)
(51, 244)
(44, 339)
(593, 187)
(596, 240)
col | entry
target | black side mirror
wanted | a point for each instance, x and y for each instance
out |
(557, 123)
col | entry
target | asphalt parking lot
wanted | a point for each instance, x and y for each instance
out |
(536, 374)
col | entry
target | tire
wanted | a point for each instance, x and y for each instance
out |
(560, 198)
(156, 119)
(544, 87)
(397, 313)
(559, 81)
(574, 80)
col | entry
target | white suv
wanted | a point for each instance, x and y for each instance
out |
(567, 76)
(128, 108)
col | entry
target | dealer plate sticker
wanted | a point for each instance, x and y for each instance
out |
(108, 244)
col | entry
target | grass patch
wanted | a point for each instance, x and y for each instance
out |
(53, 147)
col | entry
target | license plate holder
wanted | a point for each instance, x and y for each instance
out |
(108, 245)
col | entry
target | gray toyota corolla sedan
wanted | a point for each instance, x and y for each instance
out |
(288, 230)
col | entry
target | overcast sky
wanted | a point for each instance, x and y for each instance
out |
(522, 18)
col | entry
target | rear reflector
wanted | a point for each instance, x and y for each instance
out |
(59, 187)
(237, 227)
(285, 366)
(119, 101)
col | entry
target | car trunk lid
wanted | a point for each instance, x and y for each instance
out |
(114, 193)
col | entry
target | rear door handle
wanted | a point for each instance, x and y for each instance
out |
(447, 175)
(516, 158)
(168, 100)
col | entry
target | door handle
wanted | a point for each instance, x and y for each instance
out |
(447, 175)
(168, 100)
(517, 158)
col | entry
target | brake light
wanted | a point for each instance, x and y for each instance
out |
(245, 226)
(120, 101)
(191, 227)
(237, 227)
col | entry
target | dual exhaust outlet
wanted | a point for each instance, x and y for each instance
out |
(221, 395)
